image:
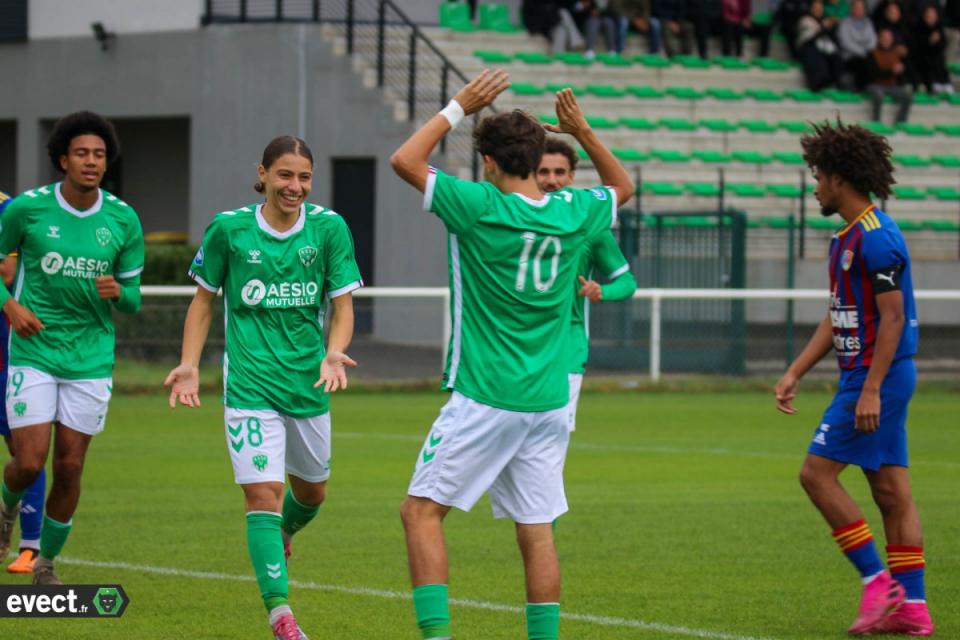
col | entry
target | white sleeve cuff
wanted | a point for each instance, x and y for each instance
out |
(619, 272)
(428, 189)
(203, 283)
(614, 206)
(129, 274)
(353, 286)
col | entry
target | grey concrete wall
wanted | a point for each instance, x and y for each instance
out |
(8, 156)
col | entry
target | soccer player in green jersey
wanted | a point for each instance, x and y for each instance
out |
(513, 257)
(277, 263)
(81, 254)
(557, 171)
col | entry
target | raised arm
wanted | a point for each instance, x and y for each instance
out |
(572, 121)
(184, 380)
(411, 160)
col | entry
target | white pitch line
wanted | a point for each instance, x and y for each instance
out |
(603, 621)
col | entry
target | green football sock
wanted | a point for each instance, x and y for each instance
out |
(53, 536)
(543, 621)
(10, 498)
(266, 554)
(296, 515)
(433, 612)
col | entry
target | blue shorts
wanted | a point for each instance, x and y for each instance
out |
(837, 439)
(4, 425)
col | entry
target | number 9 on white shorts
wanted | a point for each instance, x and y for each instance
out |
(36, 397)
(266, 445)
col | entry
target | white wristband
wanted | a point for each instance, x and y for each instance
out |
(453, 112)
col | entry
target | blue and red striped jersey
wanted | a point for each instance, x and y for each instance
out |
(867, 257)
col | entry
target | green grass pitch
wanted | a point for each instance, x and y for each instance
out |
(686, 521)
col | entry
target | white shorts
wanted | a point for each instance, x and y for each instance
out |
(517, 456)
(576, 381)
(36, 397)
(265, 445)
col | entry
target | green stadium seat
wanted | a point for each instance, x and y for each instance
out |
(925, 99)
(527, 89)
(954, 68)
(776, 222)
(910, 160)
(645, 93)
(663, 188)
(691, 62)
(952, 130)
(605, 91)
(751, 157)
(724, 93)
(685, 93)
(669, 155)
(602, 122)
(764, 95)
(771, 64)
(945, 193)
(549, 118)
(730, 63)
(711, 156)
(652, 60)
(696, 221)
(916, 129)
(946, 161)
(877, 127)
(455, 16)
(788, 157)
(638, 124)
(630, 155)
(533, 57)
(491, 56)
(822, 224)
(553, 87)
(844, 97)
(496, 17)
(702, 189)
(947, 226)
(909, 225)
(677, 124)
(785, 190)
(796, 127)
(803, 95)
(758, 126)
(583, 155)
(614, 60)
(718, 125)
(907, 192)
(762, 18)
(574, 58)
(953, 98)
(745, 190)
(754, 223)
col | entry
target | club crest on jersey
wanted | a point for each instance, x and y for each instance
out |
(254, 256)
(308, 255)
(847, 260)
(103, 236)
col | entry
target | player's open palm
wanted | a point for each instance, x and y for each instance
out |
(569, 115)
(333, 371)
(23, 321)
(184, 383)
(786, 391)
(482, 90)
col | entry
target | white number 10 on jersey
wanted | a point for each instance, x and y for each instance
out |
(541, 285)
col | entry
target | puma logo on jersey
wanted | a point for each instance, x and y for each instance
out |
(54, 231)
(888, 278)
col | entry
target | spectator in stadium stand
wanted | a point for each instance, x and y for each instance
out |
(707, 19)
(636, 14)
(672, 15)
(736, 19)
(951, 14)
(890, 15)
(597, 17)
(886, 77)
(787, 16)
(817, 48)
(857, 40)
(930, 53)
(553, 21)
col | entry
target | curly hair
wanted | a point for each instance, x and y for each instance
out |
(81, 123)
(558, 146)
(515, 140)
(858, 156)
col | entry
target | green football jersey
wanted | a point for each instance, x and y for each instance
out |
(512, 262)
(603, 256)
(61, 253)
(276, 286)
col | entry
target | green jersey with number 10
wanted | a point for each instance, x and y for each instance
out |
(513, 262)
(275, 286)
(62, 251)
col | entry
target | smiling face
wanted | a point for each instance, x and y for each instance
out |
(85, 162)
(287, 182)
(554, 172)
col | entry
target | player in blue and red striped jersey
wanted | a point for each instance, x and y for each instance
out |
(872, 326)
(31, 510)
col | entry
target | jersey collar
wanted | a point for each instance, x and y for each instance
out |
(854, 222)
(69, 209)
(542, 202)
(280, 235)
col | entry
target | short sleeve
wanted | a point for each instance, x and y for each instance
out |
(606, 257)
(458, 203)
(601, 205)
(130, 261)
(209, 266)
(342, 275)
(883, 248)
(11, 227)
